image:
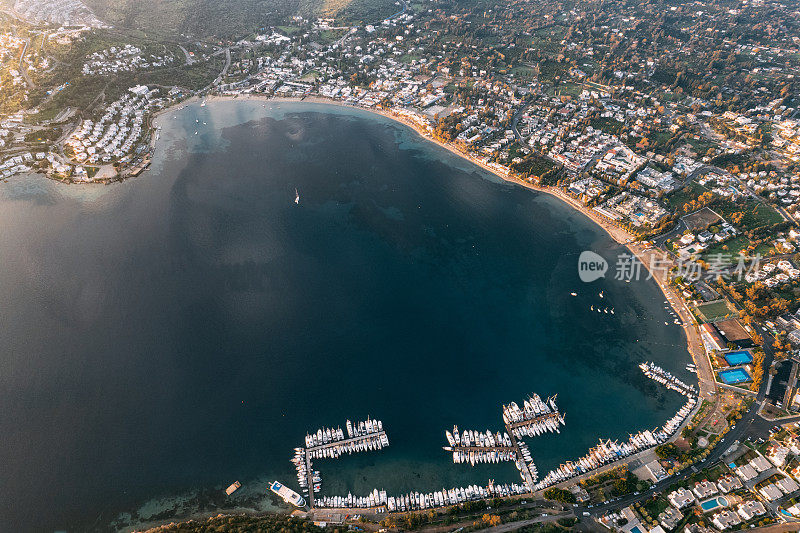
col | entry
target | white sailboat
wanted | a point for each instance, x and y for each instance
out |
(296, 197)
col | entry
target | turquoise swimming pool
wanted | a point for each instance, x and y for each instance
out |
(734, 376)
(740, 357)
(713, 503)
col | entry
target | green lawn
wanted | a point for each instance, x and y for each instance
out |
(755, 215)
(607, 125)
(570, 89)
(523, 71)
(713, 311)
(289, 30)
(729, 248)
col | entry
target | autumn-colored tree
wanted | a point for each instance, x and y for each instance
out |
(491, 520)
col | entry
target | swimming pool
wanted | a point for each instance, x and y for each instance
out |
(713, 503)
(734, 376)
(740, 357)
(635, 529)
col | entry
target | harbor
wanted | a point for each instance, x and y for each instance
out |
(536, 417)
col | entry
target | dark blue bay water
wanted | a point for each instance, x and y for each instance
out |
(184, 329)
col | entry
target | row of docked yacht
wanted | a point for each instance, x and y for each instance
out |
(476, 438)
(672, 425)
(604, 453)
(534, 428)
(656, 373)
(417, 500)
(526, 466)
(299, 461)
(608, 452)
(329, 435)
(374, 499)
(536, 417)
(532, 408)
(369, 442)
(363, 428)
(324, 436)
(483, 456)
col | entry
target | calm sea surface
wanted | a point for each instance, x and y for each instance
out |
(184, 329)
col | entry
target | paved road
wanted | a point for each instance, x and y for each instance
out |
(222, 74)
(23, 67)
(777, 528)
(517, 115)
(513, 526)
(189, 59)
(227, 64)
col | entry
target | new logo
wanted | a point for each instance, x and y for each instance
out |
(591, 266)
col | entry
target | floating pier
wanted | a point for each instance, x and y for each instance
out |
(362, 443)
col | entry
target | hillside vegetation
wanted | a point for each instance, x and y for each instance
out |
(229, 19)
(196, 18)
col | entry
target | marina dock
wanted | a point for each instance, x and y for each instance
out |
(534, 421)
(310, 481)
(522, 466)
(360, 443)
(467, 449)
(331, 443)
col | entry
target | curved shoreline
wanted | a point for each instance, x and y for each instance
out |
(619, 235)
(647, 256)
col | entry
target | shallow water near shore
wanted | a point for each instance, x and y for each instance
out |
(184, 329)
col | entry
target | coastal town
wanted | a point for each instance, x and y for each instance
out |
(674, 126)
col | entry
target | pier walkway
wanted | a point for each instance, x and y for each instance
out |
(310, 474)
(531, 421)
(526, 471)
(483, 449)
(344, 442)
